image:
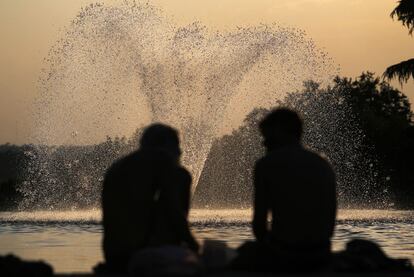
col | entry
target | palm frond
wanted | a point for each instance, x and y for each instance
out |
(403, 71)
(405, 13)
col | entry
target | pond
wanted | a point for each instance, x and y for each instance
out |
(71, 240)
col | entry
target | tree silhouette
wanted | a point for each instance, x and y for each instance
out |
(362, 125)
(404, 12)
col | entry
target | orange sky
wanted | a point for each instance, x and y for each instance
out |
(358, 34)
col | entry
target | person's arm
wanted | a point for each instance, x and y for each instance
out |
(260, 208)
(176, 197)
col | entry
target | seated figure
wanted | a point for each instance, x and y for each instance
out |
(171, 225)
(131, 190)
(297, 188)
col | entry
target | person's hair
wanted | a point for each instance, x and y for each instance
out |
(160, 136)
(281, 120)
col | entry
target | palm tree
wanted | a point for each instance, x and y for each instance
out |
(404, 12)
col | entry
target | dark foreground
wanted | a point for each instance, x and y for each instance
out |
(241, 274)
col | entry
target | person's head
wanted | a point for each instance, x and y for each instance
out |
(282, 126)
(162, 137)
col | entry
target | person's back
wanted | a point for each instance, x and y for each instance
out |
(299, 190)
(173, 206)
(128, 197)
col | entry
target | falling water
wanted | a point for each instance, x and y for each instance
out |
(120, 67)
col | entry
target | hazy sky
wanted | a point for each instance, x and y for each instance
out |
(358, 34)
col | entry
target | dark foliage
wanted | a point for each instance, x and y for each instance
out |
(403, 71)
(12, 164)
(404, 12)
(384, 115)
(51, 177)
(358, 125)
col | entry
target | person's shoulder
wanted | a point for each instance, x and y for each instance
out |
(277, 155)
(125, 160)
(184, 174)
(122, 162)
(145, 157)
(316, 155)
(261, 161)
(319, 158)
(177, 175)
(264, 163)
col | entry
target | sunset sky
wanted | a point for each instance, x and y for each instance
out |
(358, 34)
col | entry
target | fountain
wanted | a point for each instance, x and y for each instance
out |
(119, 67)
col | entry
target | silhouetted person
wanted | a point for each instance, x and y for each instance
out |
(172, 249)
(405, 168)
(130, 195)
(173, 206)
(297, 187)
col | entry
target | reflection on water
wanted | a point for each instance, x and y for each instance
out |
(70, 241)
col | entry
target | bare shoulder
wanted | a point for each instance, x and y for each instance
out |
(261, 162)
(320, 160)
(184, 175)
(319, 156)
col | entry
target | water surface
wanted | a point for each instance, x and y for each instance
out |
(71, 240)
